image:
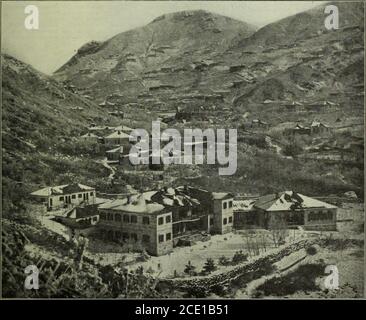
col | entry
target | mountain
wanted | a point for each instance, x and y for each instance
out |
(304, 25)
(167, 51)
(196, 59)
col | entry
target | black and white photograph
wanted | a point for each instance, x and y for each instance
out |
(182, 150)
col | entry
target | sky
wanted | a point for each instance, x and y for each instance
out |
(64, 26)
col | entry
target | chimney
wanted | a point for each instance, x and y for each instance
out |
(128, 199)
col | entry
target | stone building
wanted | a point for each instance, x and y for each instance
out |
(158, 220)
(67, 195)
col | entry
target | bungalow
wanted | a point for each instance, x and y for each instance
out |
(117, 138)
(65, 195)
(90, 137)
(318, 127)
(288, 207)
(80, 217)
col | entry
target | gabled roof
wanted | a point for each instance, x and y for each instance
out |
(289, 200)
(173, 197)
(118, 134)
(243, 205)
(63, 189)
(221, 195)
(123, 128)
(89, 135)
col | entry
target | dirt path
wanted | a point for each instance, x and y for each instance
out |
(105, 164)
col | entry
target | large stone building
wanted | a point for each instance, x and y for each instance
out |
(64, 196)
(158, 220)
(134, 219)
(289, 208)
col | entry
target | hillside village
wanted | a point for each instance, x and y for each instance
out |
(73, 200)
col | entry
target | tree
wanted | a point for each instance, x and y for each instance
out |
(239, 257)
(278, 227)
(209, 266)
(190, 269)
(223, 261)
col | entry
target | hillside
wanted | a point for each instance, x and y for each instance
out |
(42, 121)
(195, 61)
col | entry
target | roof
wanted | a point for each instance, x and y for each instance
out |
(89, 135)
(221, 195)
(137, 204)
(63, 189)
(173, 197)
(118, 134)
(243, 205)
(115, 150)
(289, 200)
(123, 128)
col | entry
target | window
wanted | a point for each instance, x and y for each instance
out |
(91, 193)
(230, 204)
(80, 195)
(125, 236)
(126, 218)
(168, 236)
(211, 221)
(73, 196)
(145, 220)
(117, 217)
(134, 236)
(145, 238)
(117, 235)
(102, 216)
(110, 216)
(230, 219)
(161, 238)
(61, 198)
(161, 221)
(225, 220)
(224, 205)
(168, 219)
(133, 219)
(95, 218)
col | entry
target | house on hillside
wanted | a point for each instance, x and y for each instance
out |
(318, 127)
(287, 208)
(117, 138)
(65, 195)
(115, 154)
(91, 137)
(257, 123)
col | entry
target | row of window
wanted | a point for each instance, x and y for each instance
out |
(225, 220)
(131, 218)
(73, 196)
(316, 216)
(226, 204)
(168, 237)
(144, 238)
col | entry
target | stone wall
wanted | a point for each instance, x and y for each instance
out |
(253, 269)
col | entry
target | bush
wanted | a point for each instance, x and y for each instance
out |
(239, 257)
(209, 266)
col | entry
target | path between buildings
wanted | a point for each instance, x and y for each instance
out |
(105, 164)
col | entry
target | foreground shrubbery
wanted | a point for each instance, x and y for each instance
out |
(62, 277)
